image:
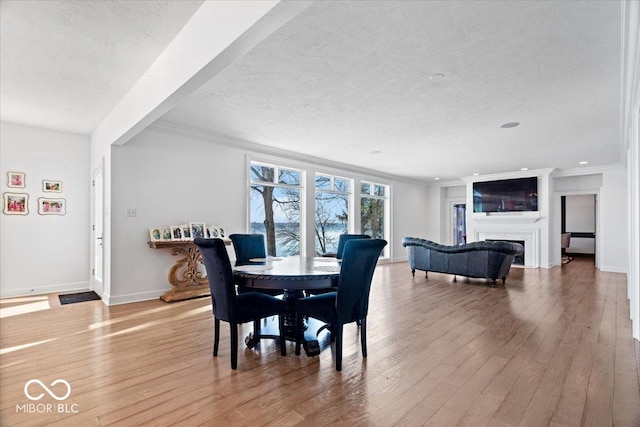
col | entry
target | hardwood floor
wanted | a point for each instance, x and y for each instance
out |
(552, 348)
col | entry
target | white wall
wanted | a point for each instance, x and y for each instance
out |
(580, 217)
(57, 245)
(581, 213)
(410, 215)
(613, 234)
(171, 179)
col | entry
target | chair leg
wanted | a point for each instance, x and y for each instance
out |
(363, 336)
(339, 347)
(234, 345)
(299, 320)
(283, 342)
(216, 336)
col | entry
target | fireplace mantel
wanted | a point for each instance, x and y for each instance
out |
(506, 217)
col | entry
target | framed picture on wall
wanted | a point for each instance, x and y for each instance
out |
(15, 204)
(16, 179)
(49, 186)
(48, 206)
(198, 229)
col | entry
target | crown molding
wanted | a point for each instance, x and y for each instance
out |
(507, 175)
(175, 129)
(593, 170)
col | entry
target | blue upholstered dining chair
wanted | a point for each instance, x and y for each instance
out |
(344, 238)
(231, 307)
(350, 303)
(248, 247)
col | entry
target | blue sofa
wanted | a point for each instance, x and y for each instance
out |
(489, 260)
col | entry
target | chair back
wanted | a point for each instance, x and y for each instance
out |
(358, 264)
(248, 246)
(220, 276)
(344, 238)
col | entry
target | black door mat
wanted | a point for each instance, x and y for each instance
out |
(78, 297)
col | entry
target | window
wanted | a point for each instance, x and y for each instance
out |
(331, 211)
(373, 198)
(275, 207)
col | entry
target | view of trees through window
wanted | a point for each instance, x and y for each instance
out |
(275, 204)
(275, 207)
(331, 211)
(372, 209)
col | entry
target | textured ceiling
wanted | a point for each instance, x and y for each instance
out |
(66, 64)
(346, 78)
(343, 79)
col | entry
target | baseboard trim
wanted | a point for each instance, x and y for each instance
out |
(129, 298)
(48, 289)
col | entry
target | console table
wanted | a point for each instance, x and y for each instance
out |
(186, 279)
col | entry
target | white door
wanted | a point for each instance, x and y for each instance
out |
(98, 218)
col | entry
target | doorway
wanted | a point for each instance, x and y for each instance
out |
(459, 223)
(97, 267)
(578, 221)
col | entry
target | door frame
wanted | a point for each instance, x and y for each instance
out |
(96, 285)
(556, 243)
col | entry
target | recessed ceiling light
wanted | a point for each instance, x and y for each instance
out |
(584, 162)
(524, 169)
(375, 152)
(437, 179)
(437, 77)
(476, 174)
(510, 125)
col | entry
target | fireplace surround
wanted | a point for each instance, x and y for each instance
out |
(529, 239)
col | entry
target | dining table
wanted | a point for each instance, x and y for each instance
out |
(296, 276)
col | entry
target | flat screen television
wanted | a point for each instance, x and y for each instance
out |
(506, 195)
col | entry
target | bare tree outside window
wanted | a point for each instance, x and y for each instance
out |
(331, 212)
(275, 208)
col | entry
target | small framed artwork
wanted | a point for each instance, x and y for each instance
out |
(16, 179)
(166, 234)
(155, 234)
(186, 232)
(51, 186)
(214, 232)
(176, 233)
(197, 229)
(48, 206)
(15, 203)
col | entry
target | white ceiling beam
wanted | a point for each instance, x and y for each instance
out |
(218, 33)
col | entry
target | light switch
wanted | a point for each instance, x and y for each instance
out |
(131, 212)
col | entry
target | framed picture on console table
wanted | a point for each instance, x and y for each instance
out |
(155, 234)
(176, 233)
(198, 229)
(186, 232)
